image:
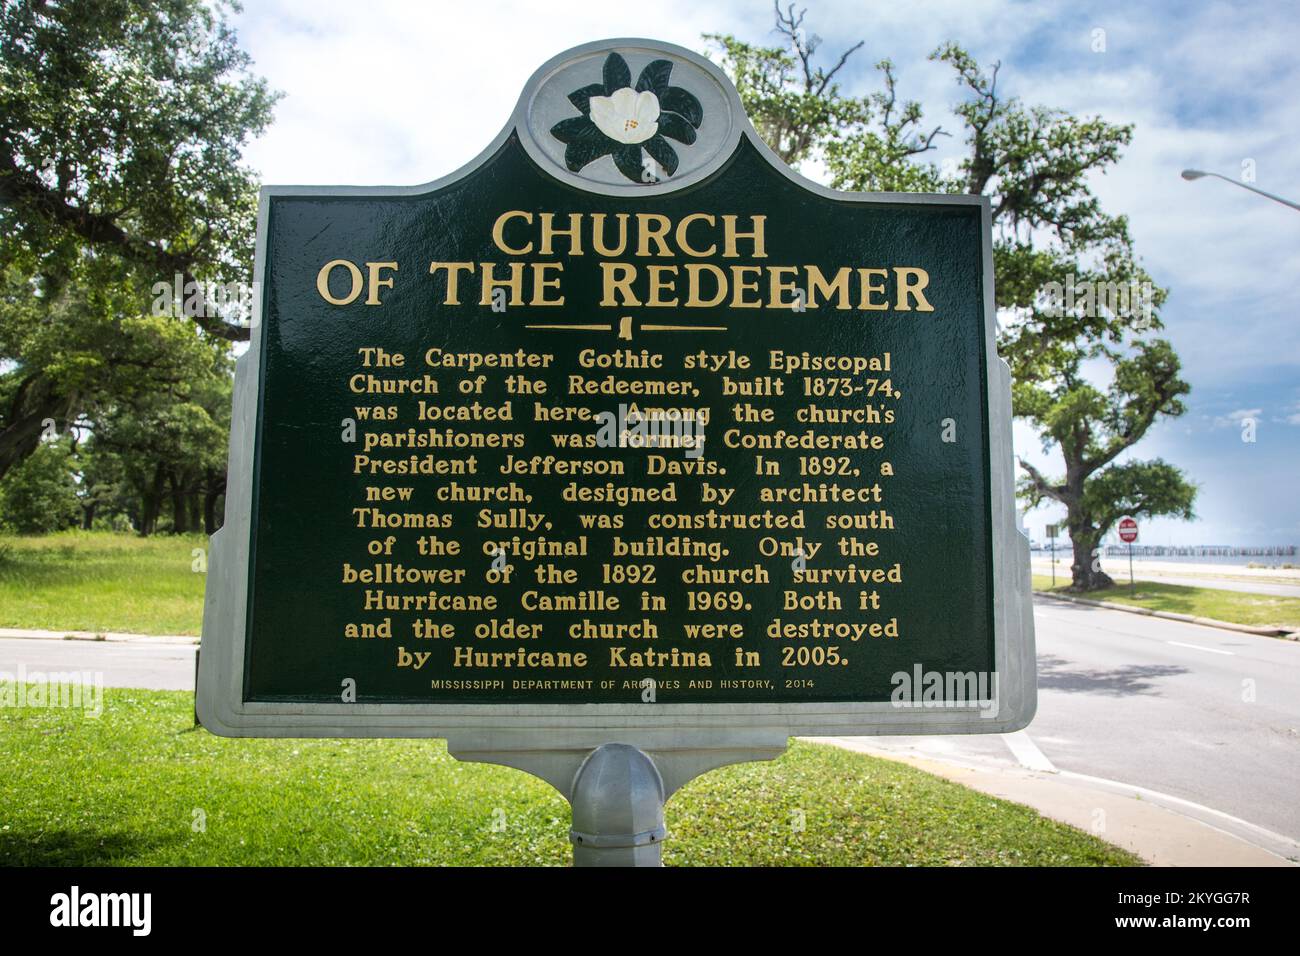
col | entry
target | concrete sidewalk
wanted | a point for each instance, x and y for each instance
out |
(31, 634)
(1160, 829)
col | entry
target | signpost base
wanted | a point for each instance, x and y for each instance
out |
(618, 809)
(617, 789)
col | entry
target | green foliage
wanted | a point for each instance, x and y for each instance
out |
(167, 443)
(794, 105)
(1033, 162)
(40, 495)
(85, 360)
(1139, 488)
(123, 127)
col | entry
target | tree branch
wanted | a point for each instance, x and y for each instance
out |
(18, 186)
(1042, 485)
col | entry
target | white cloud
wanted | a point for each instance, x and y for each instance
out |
(1292, 417)
(1237, 417)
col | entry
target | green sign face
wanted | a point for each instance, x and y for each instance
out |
(624, 414)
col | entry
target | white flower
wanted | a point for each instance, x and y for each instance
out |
(627, 116)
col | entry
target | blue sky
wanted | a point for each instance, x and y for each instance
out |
(407, 92)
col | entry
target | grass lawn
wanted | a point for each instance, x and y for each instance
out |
(102, 581)
(128, 788)
(1238, 607)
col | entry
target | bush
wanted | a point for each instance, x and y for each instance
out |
(40, 494)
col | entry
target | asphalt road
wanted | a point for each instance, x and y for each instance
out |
(150, 665)
(1148, 702)
(1157, 704)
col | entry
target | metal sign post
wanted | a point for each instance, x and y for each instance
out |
(1128, 533)
(1051, 536)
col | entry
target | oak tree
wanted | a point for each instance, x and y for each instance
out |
(1091, 373)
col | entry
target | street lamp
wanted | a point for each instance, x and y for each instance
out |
(1190, 174)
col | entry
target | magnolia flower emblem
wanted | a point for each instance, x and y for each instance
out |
(630, 123)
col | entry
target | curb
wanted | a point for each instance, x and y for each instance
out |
(32, 634)
(1174, 616)
(1161, 829)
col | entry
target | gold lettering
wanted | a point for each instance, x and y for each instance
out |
(817, 284)
(499, 228)
(515, 283)
(541, 283)
(454, 269)
(693, 271)
(376, 283)
(739, 287)
(323, 281)
(656, 233)
(730, 235)
(617, 277)
(573, 233)
(598, 234)
(869, 289)
(777, 288)
(911, 288)
(657, 285)
(681, 235)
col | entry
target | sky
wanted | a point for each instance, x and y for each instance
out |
(399, 93)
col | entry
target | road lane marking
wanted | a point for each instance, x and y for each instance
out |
(1027, 753)
(1198, 647)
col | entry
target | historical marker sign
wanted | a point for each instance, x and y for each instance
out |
(624, 427)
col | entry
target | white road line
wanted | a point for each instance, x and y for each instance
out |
(1027, 753)
(1198, 647)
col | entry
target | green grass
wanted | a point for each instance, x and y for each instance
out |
(125, 788)
(1238, 607)
(102, 581)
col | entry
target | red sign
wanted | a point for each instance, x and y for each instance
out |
(1128, 530)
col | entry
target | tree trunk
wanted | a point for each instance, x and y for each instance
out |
(180, 511)
(1086, 572)
(210, 512)
(88, 515)
(214, 487)
(34, 403)
(151, 502)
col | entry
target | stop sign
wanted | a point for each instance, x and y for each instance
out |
(1128, 530)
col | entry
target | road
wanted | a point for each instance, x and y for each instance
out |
(1202, 714)
(150, 665)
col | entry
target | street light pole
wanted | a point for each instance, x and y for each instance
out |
(1190, 174)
